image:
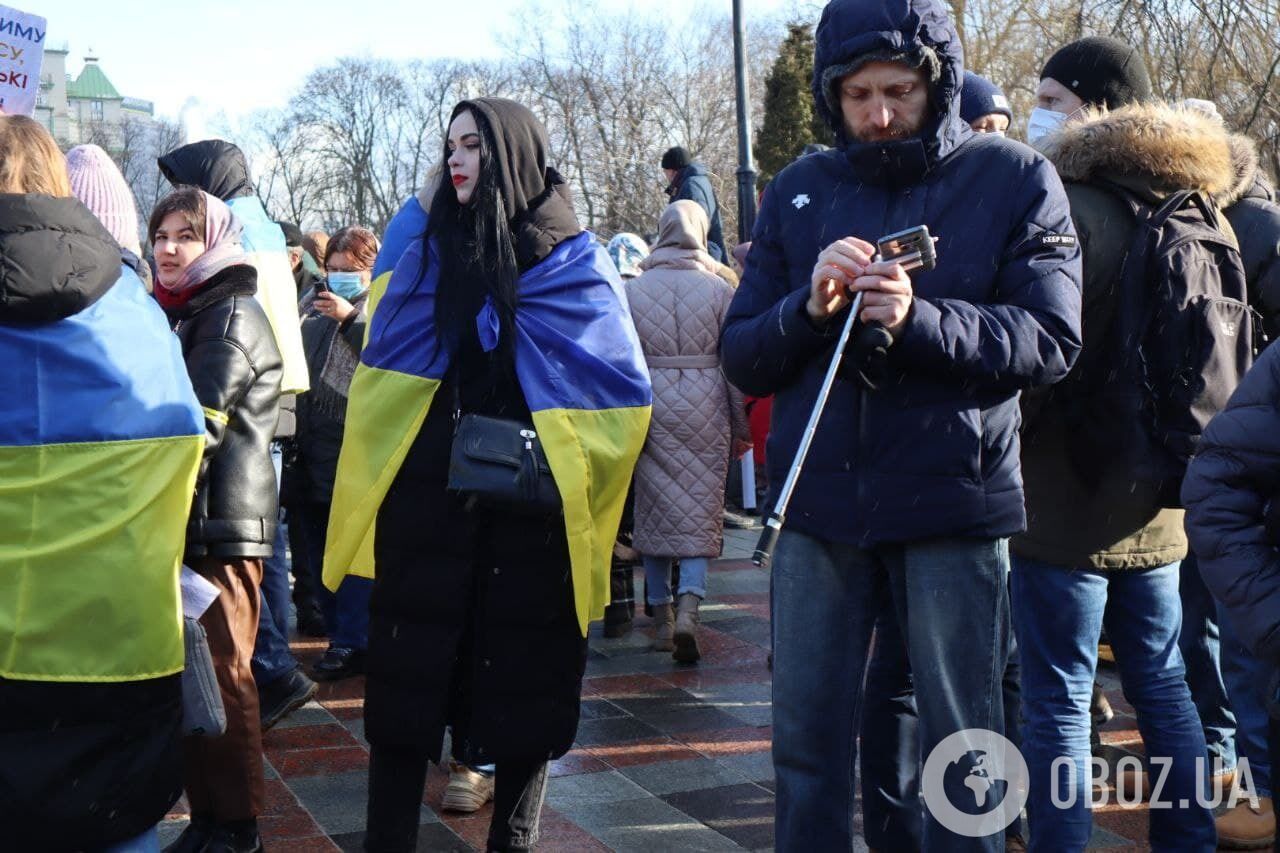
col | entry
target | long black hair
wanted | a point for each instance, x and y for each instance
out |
(476, 251)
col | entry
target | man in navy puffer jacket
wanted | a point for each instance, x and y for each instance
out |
(911, 490)
(1232, 496)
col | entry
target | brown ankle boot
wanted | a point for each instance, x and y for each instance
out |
(664, 628)
(1247, 828)
(686, 634)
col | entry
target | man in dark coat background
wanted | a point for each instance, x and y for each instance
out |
(1229, 493)
(1102, 545)
(910, 491)
(1251, 208)
(689, 179)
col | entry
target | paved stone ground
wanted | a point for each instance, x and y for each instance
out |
(668, 757)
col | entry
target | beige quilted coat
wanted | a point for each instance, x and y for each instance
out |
(678, 304)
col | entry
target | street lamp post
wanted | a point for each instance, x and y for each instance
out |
(746, 165)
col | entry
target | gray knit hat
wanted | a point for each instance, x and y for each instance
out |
(922, 57)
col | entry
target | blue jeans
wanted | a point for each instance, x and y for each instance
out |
(890, 755)
(891, 814)
(271, 656)
(346, 612)
(657, 577)
(952, 597)
(1059, 614)
(1246, 679)
(1201, 648)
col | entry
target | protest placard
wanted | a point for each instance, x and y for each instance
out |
(21, 55)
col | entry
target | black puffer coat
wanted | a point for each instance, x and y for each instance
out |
(235, 368)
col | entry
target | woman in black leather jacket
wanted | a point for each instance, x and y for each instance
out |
(205, 284)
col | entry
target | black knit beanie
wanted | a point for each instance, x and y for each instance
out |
(1101, 71)
(676, 158)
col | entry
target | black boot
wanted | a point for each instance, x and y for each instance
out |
(311, 619)
(194, 838)
(239, 836)
(283, 696)
(339, 663)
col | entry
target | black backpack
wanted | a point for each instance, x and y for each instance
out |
(1180, 339)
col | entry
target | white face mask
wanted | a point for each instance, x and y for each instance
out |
(1042, 123)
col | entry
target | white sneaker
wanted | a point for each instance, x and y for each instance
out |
(468, 790)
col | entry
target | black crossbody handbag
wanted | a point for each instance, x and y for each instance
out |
(500, 462)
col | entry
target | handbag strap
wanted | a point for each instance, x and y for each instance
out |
(452, 376)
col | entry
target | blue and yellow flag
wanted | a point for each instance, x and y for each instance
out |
(582, 372)
(100, 441)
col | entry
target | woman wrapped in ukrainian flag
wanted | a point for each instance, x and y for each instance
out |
(504, 308)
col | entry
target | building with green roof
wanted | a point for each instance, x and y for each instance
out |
(88, 108)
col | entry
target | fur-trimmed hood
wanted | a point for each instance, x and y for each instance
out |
(1249, 182)
(1169, 147)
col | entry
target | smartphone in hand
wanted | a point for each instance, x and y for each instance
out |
(912, 249)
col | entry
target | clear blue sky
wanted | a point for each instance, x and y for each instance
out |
(234, 56)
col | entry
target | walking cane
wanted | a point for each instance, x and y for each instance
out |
(911, 249)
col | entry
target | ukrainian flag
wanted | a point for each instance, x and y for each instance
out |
(263, 242)
(409, 224)
(582, 372)
(100, 441)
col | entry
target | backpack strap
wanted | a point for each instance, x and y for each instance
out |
(1175, 202)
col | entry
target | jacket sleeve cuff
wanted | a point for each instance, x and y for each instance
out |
(351, 318)
(794, 324)
(920, 338)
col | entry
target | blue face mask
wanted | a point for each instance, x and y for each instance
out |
(1043, 122)
(348, 285)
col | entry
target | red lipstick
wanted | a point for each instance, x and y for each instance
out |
(459, 180)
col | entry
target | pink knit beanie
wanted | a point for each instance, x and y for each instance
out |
(97, 182)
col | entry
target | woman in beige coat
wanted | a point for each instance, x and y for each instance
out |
(698, 418)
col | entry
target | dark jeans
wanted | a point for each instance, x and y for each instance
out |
(890, 757)
(1273, 741)
(952, 597)
(1246, 677)
(1060, 613)
(398, 775)
(891, 807)
(1201, 647)
(346, 612)
(271, 656)
(1225, 679)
